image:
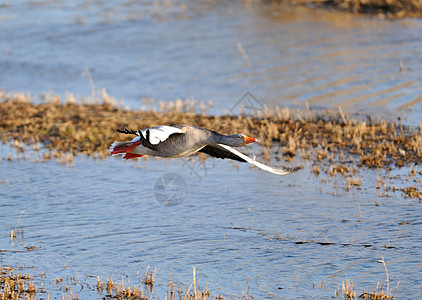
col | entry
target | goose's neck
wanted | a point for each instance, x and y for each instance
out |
(219, 138)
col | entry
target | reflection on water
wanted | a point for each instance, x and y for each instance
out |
(236, 224)
(170, 49)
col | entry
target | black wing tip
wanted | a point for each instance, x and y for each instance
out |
(298, 168)
(127, 131)
(289, 170)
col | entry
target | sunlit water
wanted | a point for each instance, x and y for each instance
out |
(214, 51)
(238, 226)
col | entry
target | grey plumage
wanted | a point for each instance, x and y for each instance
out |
(184, 140)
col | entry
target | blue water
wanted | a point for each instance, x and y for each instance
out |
(239, 227)
(184, 49)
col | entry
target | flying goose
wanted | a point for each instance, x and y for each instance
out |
(184, 140)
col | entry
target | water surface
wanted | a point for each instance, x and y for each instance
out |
(214, 51)
(238, 226)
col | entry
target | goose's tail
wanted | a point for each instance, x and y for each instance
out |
(124, 147)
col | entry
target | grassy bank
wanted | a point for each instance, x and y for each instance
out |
(325, 138)
(330, 142)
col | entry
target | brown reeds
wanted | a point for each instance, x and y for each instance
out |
(379, 293)
(16, 286)
(384, 8)
(16, 231)
(412, 192)
(331, 140)
(122, 290)
(392, 8)
(348, 290)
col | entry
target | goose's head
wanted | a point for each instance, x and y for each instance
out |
(238, 140)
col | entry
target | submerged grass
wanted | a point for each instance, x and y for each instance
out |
(348, 290)
(332, 142)
(327, 138)
(388, 8)
(17, 285)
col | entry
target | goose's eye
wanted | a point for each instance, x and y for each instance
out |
(239, 137)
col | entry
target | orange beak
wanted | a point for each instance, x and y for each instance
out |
(249, 140)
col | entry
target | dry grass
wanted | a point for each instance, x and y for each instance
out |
(379, 293)
(347, 289)
(412, 192)
(15, 285)
(388, 8)
(391, 8)
(332, 142)
(328, 139)
(121, 290)
(16, 231)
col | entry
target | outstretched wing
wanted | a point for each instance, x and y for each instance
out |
(151, 137)
(160, 133)
(219, 152)
(279, 171)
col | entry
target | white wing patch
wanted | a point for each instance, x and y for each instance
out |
(278, 171)
(160, 133)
